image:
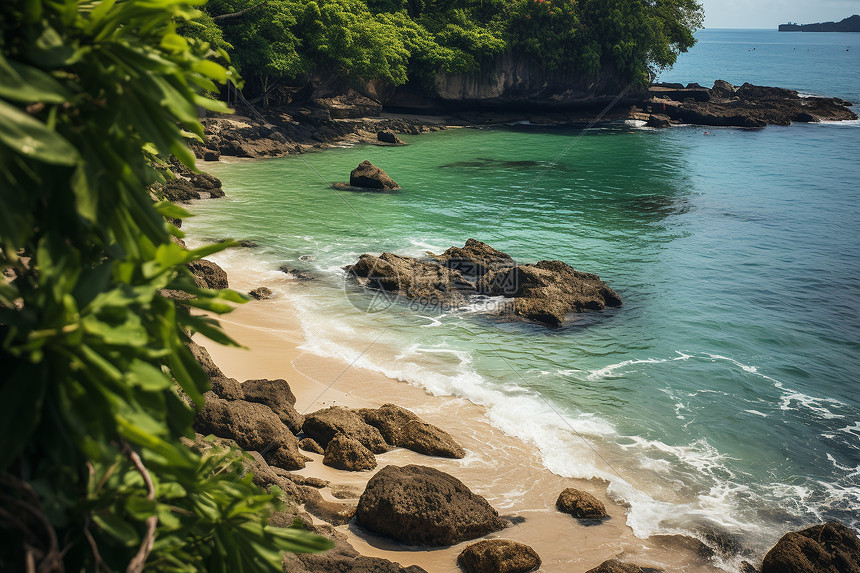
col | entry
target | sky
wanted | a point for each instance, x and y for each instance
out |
(771, 13)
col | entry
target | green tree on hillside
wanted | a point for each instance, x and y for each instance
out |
(96, 383)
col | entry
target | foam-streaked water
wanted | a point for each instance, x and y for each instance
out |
(723, 393)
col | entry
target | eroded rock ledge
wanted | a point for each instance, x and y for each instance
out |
(544, 292)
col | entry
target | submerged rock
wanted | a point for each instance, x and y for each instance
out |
(419, 505)
(402, 428)
(371, 177)
(498, 556)
(388, 137)
(261, 293)
(825, 548)
(580, 504)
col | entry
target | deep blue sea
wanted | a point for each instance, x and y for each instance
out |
(724, 394)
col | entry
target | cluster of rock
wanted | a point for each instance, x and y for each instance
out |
(739, 106)
(187, 185)
(317, 125)
(544, 292)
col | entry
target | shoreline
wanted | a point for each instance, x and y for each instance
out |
(506, 471)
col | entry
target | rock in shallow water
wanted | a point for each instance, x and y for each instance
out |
(498, 556)
(418, 505)
(369, 176)
(580, 504)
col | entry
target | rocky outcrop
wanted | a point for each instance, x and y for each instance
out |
(202, 356)
(208, 275)
(616, 566)
(275, 394)
(254, 427)
(744, 106)
(349, 105)
(226, 388)
(544, 292)
(323, 425)
(498, 556)
(261, 293)
(333, 512)
(345, 453)
(512, 81)
(548, 291)
(368, 176)
(400, 427)
(187, 185)
(580, 504)
(825, 548)
(418, 505)
(426, 281)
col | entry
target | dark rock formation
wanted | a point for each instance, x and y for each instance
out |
(547, 291)
(402, 428)
(210, 155)
(415, 279)
(369, 176)
(580, 504)
(388, 137)
(208, 275)
(744, 106)
(348, 454)
(474, 259)
(825, 548)
(350, 105)
(275, 394)
(295, 273)
(323, 425)
(179, 190)
(261, 293)
(226, 388)
(310, 445)
(658, 121)
(616, 566)
(201, 355)
(253, 427)
(422, 506)
(544, 292)
(206, 183)
(498, 556)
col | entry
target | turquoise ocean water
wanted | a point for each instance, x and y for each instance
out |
(724, 394)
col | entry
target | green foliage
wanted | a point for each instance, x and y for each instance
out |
(95, 371)
(400, 40)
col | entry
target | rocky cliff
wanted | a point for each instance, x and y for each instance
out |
(512, 82)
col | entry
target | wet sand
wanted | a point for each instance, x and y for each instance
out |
(503, 469)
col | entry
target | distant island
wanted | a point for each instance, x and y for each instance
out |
(851, 24)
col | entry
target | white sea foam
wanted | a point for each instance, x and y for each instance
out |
(607, 371)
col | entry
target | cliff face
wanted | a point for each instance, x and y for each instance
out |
(512, 82)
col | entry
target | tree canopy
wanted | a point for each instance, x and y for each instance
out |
(395, 41)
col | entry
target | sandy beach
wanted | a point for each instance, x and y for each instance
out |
(503, 469)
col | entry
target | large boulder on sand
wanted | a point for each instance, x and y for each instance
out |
(825, 548)
(323, 425)
(371, 177)
(348, 454)
(254, 427)
(498, 556)
(418, 505)
(208, 275)
(275, 394)
(580, 504)
(402, 428)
